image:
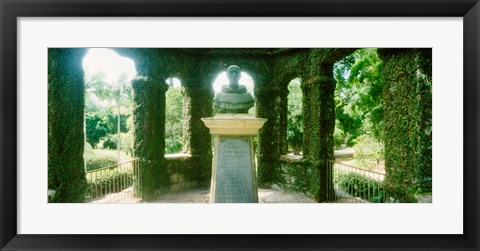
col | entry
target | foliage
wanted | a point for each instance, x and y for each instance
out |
(295, 116)
(408, 122)
(359, 94)
(338, 135)
(111, 120)
(149, 144)
(126, 141)
(95, 161)
(173, 120)
(118, 92)
(110, 117)
(99, 126)
(360, 186)
(368, 151)
(96, 126)
(65, 125)
(299, 176)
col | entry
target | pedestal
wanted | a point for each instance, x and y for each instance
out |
(234, 168)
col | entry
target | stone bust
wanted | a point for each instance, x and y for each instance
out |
(234, 97)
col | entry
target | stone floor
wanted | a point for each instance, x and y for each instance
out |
(202, 195)
(264, 196)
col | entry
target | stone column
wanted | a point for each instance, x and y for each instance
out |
(66, 174)
(149, 146)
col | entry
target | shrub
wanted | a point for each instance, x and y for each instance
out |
(108, 184)
(173, 146)
(96, 161)
(110, 142)
(96, 126)
(360, 186)
(338, 135)
(368, 151)
(126, 141)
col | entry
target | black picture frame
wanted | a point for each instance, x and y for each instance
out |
(10, 10)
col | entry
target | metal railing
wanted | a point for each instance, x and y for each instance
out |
(120, 183)
(355, 185)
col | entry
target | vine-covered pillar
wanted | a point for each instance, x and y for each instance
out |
(268, 155)
(408, 121)
(66, 173)
(149, 145)
(282, 106)
(198, 94)
(319, 123)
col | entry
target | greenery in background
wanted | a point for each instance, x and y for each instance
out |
(359, 104)
(299, 176)
(107, 104)
(173, 120)
(96, 127)
(295, 116)
(101, 125)
(368, 151)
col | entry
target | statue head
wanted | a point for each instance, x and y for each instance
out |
(233, 75)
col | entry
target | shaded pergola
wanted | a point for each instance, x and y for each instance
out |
(271, 69)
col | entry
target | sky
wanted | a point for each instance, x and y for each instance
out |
(113, 65)
(109, 62)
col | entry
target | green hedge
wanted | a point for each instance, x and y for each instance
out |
(96, 161)
(360, 186)
(113, 183)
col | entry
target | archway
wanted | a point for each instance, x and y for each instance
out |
(108, 108)
(295, 117)
(359, 108)
(174, 117)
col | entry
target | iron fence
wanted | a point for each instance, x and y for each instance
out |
(120, 183)
(355, 185)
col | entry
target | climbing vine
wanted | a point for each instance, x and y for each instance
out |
(149, 145)
(66, 175)
(408, 122)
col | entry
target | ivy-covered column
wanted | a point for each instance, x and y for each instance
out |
(66, 173)
(319, 123)
(408, 121)
(149, 146)
(282, 107)
(267, 152)
(307, 97)
(198, 104)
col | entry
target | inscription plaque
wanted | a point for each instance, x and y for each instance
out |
(234, 178)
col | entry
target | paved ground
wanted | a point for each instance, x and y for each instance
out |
(202, 195)
(264, 196)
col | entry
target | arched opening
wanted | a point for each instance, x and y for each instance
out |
(174, 116)
(108, 115)
(359, 110)
(295, 117)
(245, 80)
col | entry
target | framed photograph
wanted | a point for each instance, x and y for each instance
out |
(236, 65)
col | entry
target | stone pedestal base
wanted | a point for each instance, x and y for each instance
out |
(233, 169)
